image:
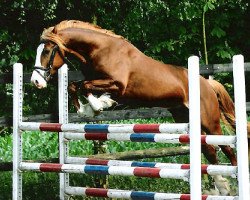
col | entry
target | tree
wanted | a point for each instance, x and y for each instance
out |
(169, 31)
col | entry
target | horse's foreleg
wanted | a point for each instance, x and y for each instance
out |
(82, 109)
(100, 86)
(72, 89)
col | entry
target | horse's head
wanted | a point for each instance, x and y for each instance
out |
(49, 59)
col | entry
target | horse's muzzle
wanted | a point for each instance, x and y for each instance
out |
(38, 80)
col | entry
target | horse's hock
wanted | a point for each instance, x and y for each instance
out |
(162, 133)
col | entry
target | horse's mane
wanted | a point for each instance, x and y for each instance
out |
(51, 32)
(84, 25)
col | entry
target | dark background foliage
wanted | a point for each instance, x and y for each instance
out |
(169, 31)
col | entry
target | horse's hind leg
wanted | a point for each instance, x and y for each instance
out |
(211, 125)
(228, 151)
(221, 183)
(215, 128)
(181, 115)
(209, 151)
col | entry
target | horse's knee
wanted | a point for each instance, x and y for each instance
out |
(72, 88)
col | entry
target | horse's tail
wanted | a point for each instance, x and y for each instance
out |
(225, 102)
(226, 105)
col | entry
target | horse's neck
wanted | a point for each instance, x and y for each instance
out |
(81, 39)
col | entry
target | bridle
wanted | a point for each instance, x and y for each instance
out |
(47, 75)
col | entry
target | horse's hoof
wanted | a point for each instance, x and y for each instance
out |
(107, 102)
(85, 110)
(214, 192)
(222, 184)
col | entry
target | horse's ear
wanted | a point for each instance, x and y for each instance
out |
(53, 29)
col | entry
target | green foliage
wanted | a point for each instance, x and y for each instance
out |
(168, 31)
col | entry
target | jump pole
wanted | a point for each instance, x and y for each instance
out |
(17, 118)
(194, 127)
(241, 127)
(63, 118)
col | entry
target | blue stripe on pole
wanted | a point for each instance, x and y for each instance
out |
(93, 169)
(96, 128)
(140, 137)
(142, 195)
(143, 164)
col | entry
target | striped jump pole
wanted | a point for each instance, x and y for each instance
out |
(107, 170)
(137, 195)
(212, 170)
(124, 168)
(105, 128)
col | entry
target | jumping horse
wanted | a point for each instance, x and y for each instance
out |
(111, 64)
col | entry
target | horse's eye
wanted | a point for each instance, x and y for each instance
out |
(46, 51)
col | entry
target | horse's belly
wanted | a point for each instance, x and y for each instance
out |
(150, 102)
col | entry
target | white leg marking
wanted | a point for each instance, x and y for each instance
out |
(107, 102)
(85, 110)
(95, 103)
(222, 185)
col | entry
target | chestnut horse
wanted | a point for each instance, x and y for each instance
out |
(113, 65)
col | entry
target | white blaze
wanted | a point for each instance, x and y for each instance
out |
(37, 75)
(38, 54)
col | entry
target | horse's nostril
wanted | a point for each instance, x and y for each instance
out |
(36, 82)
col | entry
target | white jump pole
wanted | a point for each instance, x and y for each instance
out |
(17, 141)
(195, 127)
(241, 126)
(63, 118)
